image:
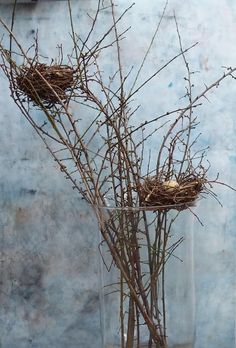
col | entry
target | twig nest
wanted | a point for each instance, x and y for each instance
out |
(44, 83)
(181, 194)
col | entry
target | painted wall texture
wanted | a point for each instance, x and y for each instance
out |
(48, 241)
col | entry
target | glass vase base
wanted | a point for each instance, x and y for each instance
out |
(146, 346)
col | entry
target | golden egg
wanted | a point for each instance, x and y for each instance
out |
(170, 184)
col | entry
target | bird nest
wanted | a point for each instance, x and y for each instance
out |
(181, 194)
(46, 84)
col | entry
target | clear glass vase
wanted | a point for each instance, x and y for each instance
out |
(147, 282)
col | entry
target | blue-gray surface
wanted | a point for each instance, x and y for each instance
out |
(49, 274)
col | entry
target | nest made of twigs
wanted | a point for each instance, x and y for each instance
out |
(182, 193)
(45, 83)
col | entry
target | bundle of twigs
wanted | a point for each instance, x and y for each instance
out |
(107, 157)
(45, 83)
(181, 193)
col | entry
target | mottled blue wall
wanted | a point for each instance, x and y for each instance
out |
(48, 263)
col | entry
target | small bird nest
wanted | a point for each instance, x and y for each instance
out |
(45, 83)
(181, 194)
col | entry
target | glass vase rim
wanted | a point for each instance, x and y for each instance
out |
(177, 206)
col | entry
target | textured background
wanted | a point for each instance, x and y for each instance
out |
(48, 265)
